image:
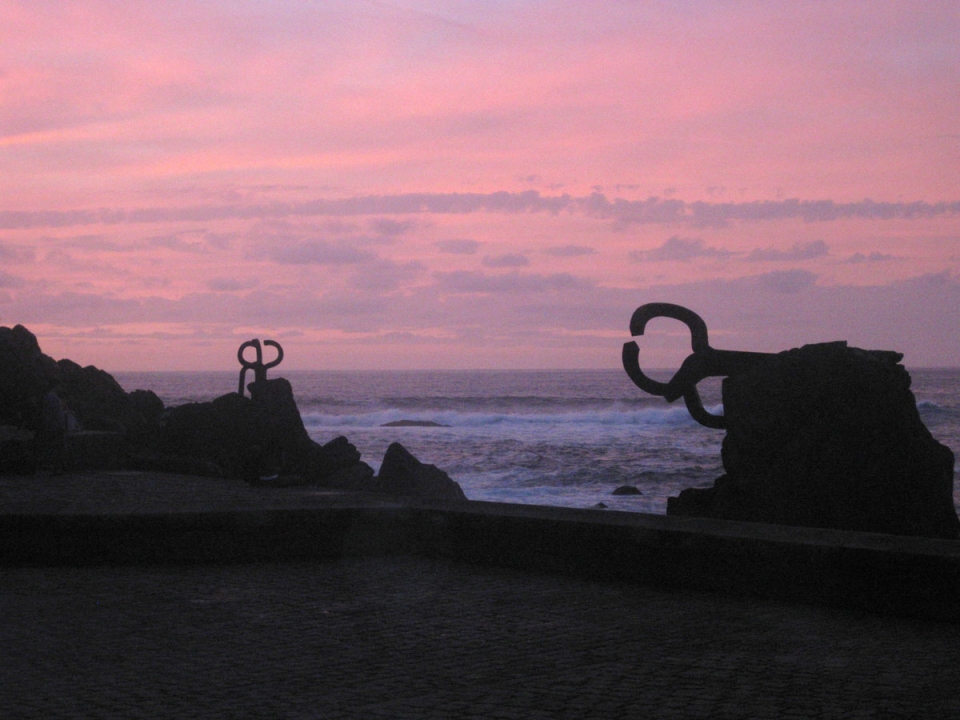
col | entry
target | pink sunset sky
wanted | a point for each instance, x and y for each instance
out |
(477, 185)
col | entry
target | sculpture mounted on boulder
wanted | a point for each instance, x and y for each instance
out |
(260, 439)
(258, 366)
(822, 436)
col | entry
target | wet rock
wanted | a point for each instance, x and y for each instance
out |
(402, 474)
(829, 436)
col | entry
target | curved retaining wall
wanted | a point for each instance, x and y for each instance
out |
(879, 573)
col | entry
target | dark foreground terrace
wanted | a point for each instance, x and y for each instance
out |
(130, 594)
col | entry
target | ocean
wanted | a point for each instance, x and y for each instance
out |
(560, 437)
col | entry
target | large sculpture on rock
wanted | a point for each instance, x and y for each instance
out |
(824, 435)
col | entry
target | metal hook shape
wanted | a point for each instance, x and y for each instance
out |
(258, 366)
(704, 362)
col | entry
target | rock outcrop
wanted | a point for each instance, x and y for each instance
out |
(27, 374)
(260, 439)
(829, 436)
(402, 474)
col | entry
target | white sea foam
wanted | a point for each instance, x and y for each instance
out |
(672, 416)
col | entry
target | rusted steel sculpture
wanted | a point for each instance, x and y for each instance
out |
(703, 363)
(258, 366)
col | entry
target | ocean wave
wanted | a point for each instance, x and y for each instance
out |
(652, 417)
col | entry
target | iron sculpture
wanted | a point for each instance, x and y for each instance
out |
(258, 366)
(704, 362)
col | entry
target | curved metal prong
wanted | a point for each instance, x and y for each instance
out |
(698, 328)
(247, 365)
(254, 344)
(276, 362)
(695, 407)
(631, 363)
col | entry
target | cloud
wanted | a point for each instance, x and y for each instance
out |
(458, 246)
(575, 317)
(383, 275)
(872, 257)
(319, 252)
(787, 282)
(224, 284)
(653, 210)
(569, 251)
(678, 249)
(799, 252)
(174, 242)
(463, 281)
(10, 281)
(657, 210)
(390, 227)
(509, 260)
(16, 254)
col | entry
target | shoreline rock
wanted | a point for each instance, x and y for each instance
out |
(259, 439)
(828, 436)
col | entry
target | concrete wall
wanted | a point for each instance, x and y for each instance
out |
(879, 573)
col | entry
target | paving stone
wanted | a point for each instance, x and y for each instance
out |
(404, 637)
(417, 638)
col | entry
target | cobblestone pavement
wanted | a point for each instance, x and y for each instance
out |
(416, 638)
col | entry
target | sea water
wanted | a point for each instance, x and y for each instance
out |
(560, 437)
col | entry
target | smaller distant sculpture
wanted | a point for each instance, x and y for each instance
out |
(258, 366)
(703, 363)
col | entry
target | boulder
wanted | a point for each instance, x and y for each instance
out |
(323, 462)
(148, 405)
(285, 438)
(402, 474)
(26, 374)
(97, 400)
(828, 436)
(627, 490)
(354, 478)
(230, 432)
(253, 438)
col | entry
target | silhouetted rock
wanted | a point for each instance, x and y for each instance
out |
(627, 490)
(225, 432)
(148, 405)
(260, 439)
(355, 478)
(284, 435)
(413, 423)
(323, 462)
(97, 400)
(26, 374)
(402, 474)
(237, 434)
(829, 436)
